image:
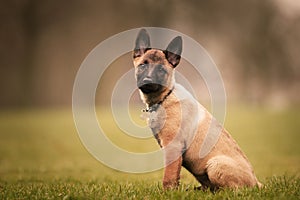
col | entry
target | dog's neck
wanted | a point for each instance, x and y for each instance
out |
(153, 101)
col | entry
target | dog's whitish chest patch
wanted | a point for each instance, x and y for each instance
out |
(152, 119)
(155, 119)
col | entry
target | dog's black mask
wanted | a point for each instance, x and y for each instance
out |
(151, 78)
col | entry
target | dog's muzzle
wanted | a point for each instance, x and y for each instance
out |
(147, 86)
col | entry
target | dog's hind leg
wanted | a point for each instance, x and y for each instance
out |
(224, 171)
(205, 183)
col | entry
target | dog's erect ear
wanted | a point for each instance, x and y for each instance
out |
(142, 43)
(173, 51)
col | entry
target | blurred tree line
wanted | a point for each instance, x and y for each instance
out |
(254, 43)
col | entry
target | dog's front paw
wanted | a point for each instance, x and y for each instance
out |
(167, 185)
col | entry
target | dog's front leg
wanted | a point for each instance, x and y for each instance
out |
(173, 162)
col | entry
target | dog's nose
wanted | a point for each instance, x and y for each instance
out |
(147, 80)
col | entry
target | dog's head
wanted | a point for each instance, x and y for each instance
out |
(154, 68)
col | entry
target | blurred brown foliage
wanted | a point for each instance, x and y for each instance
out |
(254, 43)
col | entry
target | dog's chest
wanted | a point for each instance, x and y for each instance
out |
(156, 119)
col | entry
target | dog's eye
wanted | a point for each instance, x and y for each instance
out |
(142, 66)
(161, 69)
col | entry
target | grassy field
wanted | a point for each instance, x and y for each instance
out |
(41, 157)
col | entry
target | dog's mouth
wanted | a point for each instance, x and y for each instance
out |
(150, 88)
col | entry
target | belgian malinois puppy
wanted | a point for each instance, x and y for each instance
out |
(180, 124)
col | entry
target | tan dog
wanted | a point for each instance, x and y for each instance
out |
(180, 124)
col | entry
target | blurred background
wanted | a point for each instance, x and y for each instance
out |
(254, 43)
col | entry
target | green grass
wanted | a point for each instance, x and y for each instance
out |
(275, 188)
(41, 157)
